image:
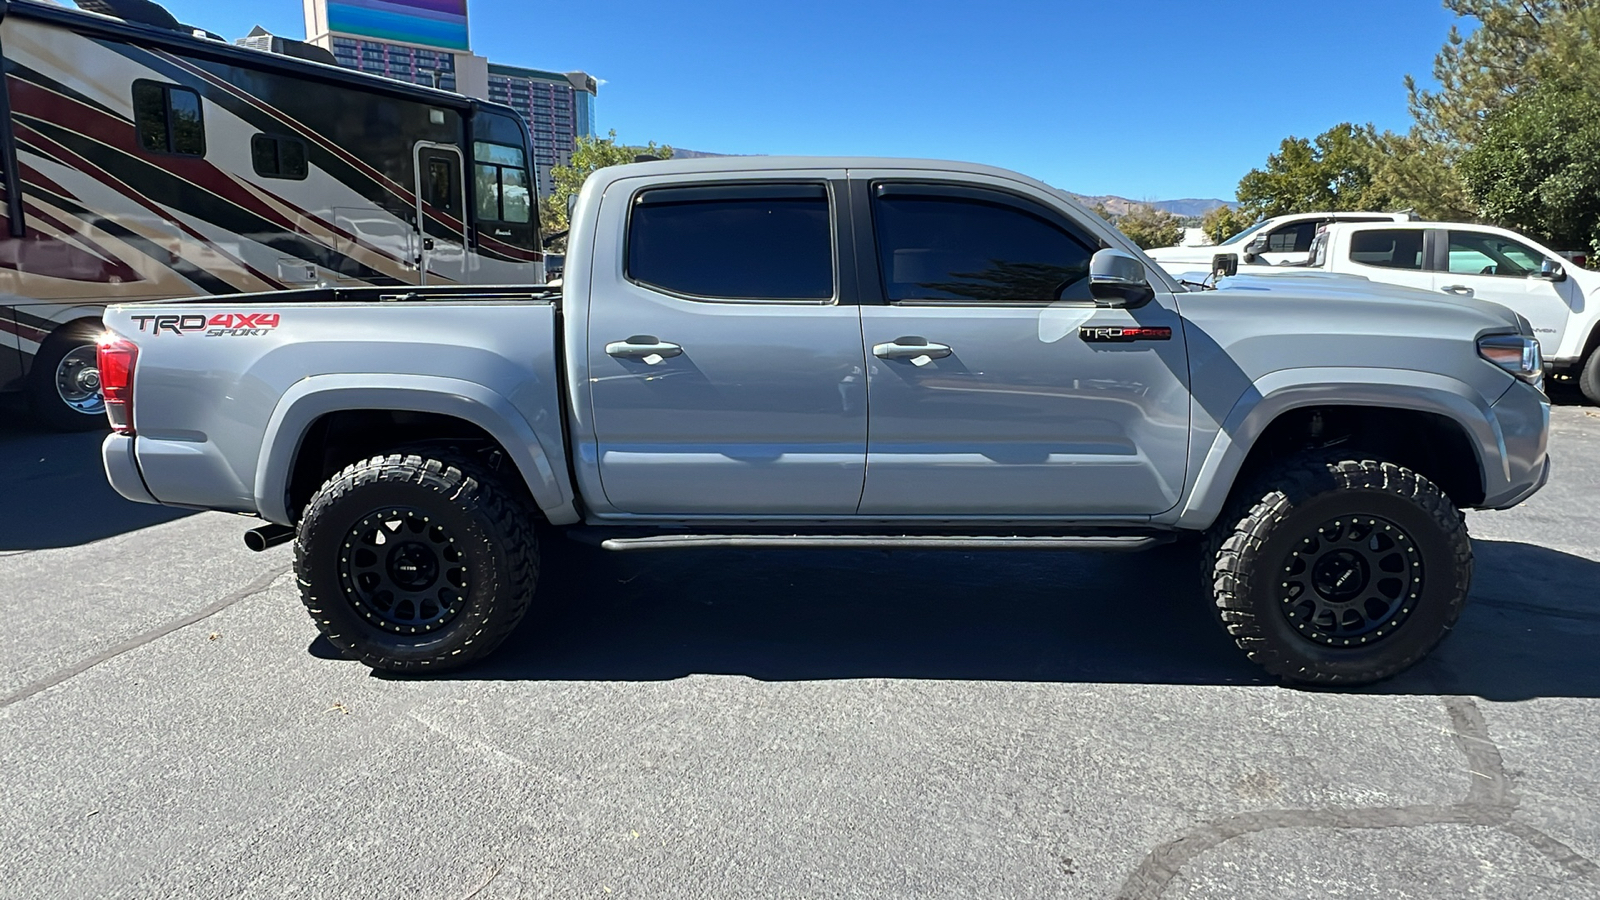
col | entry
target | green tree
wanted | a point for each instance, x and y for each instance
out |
(1332, 171)
(1223, 222)
(1536, 165)
(1149, 227)
(1516, 45)
(589, 154)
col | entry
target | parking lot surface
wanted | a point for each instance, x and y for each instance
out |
(767, 724)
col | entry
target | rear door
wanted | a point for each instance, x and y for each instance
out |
(987, 396)
(1388, 255)
(1500, 269)
(724, 350)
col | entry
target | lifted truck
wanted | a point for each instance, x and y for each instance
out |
(842, 353)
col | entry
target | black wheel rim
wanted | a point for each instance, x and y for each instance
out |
(1351, 583)
(403, 572)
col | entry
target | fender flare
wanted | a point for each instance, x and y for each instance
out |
(311, 398)
(1289, 389)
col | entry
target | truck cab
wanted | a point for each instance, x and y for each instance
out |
(1278, 241)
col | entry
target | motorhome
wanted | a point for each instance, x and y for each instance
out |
(142, 159)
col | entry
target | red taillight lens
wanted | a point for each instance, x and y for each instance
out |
(117, 359)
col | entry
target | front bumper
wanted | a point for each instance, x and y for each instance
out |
(122, 469)
(1523, 415)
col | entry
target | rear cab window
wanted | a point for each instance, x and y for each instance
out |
(764, 242)
(1388, 248)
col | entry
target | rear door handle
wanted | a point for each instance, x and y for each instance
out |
(1461, 289)
(641, 346)
(910, 348)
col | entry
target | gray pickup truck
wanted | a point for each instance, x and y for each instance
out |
(804, 353)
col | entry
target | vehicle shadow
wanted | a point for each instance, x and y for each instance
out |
(53, 489)
(1531, 630)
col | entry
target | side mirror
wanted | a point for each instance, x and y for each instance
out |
(1118, 279)
(1224, 265)
(572, 204)
(1256, 247)
(1550, 270)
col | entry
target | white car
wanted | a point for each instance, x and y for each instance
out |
(1559, 299)
(1278, 241)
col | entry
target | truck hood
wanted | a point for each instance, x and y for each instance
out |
(1312, 285)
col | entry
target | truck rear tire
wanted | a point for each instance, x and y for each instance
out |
(64, 382)
(1340, 571)
(409, 564)
(1589, 377)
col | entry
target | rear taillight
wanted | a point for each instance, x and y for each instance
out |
(117, 359)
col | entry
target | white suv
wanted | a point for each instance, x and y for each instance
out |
(1278, 241)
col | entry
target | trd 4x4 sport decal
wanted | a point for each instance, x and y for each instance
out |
(220, 325)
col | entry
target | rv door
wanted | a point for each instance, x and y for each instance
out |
(441, 214)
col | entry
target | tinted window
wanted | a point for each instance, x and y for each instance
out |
(759, 242)
(167, 119)
(975, 250)
(438, 184)
(1387, 248)
(278, 157)
(1294, 238)
(1481, 253)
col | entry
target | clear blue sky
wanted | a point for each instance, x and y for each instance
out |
(1149, 99)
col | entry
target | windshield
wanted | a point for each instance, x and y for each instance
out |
(1247, 232)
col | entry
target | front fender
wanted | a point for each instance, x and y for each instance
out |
(1287, 389)
(539, 457)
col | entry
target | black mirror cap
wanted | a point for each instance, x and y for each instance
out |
(1123, 296)
(1224, 265)
(1551, 270)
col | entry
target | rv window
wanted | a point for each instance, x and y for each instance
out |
(437, 191)
(278, 157)
(501, 183)
(167, 118)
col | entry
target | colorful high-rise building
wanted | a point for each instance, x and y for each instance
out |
(427, 42)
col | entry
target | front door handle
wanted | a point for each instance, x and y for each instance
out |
(910, 348)
(1459, 289)
(641, 346)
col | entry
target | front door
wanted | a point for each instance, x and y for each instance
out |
(441, 214)
(724, 371)
(1496, 268)
(987, 396)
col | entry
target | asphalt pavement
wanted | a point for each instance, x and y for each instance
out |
(769, 724)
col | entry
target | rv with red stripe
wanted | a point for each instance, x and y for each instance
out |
(142, 159)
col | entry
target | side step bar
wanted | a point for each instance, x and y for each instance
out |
(885, 542)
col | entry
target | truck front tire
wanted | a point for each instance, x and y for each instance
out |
(411, 564)
(1340, 572)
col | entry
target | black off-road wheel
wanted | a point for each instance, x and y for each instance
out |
(64, 381)
(410, 563)
(1340, 571)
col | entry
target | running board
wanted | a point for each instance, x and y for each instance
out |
(885, 542)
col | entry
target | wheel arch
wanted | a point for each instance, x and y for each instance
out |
(334, 420)
(1436, 425)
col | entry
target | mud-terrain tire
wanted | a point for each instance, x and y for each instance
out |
(64, 382)
(1589, 377)
(411, 563)
(1335, 571)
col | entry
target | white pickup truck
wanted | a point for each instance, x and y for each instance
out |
(1278, 241)
(1561, 300)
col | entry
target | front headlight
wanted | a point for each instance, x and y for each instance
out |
(1515, 353)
